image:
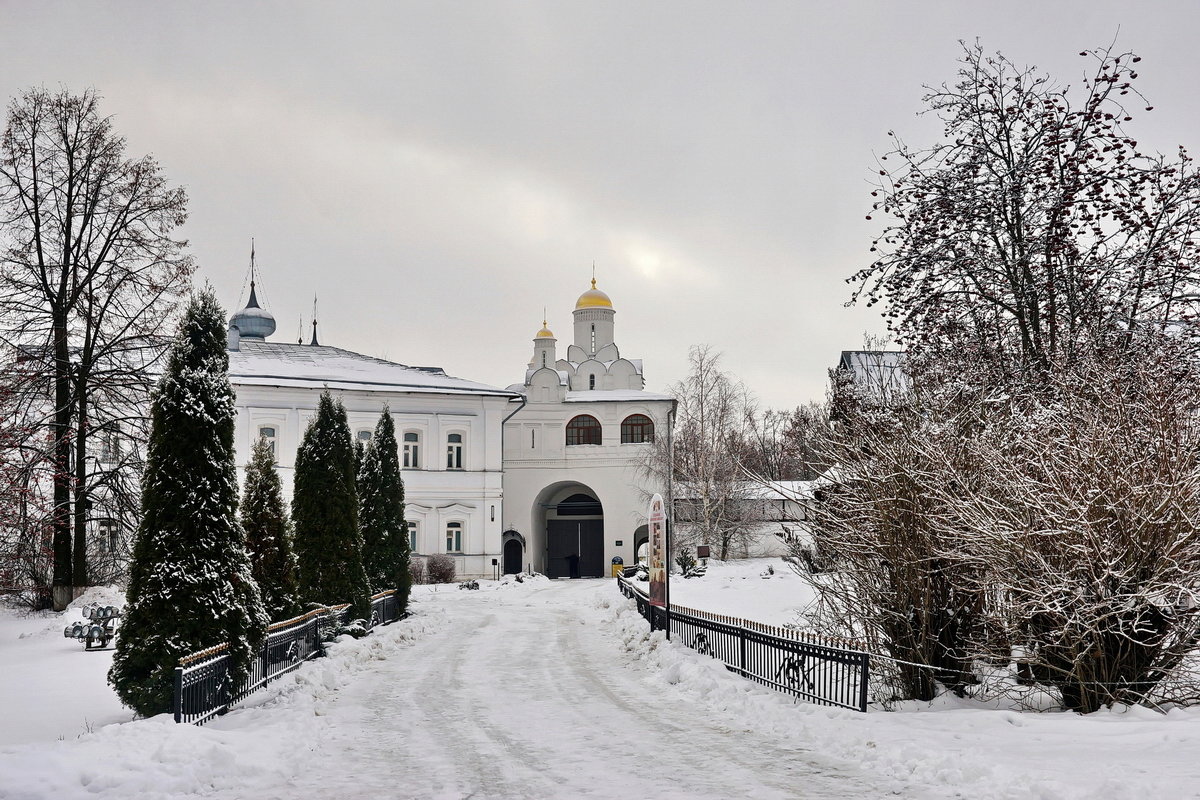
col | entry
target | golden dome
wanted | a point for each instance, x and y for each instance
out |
(593, 298)
(544, 333)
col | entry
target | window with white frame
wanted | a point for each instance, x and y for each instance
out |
(107, 535)
(364, 436)
(412, 450)
(110, 446)
(454, 537)
(413, 536)
(269, 433)
(454, 451)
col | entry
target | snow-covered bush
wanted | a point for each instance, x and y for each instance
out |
(1053, 526)
(440, 568)
(1083, 529)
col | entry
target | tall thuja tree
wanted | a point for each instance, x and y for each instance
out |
(381, 512)
(325, 514)
(267, 538)
(190, 583)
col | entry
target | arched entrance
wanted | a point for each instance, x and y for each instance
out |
(574, 525)
(514, 553)
(641, 540)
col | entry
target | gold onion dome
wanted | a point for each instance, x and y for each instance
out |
(593, 298)
(544, 333)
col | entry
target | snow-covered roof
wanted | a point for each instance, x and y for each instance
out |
(614, 396)
(306, 366)
(876, 372)
(756, 490)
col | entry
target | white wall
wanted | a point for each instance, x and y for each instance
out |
(434, 495)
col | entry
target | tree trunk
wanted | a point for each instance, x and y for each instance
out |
(61, 515)
(79, 564)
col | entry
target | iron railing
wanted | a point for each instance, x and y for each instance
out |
(203, 685)
(809, 667)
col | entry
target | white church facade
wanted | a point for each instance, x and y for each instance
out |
(572, 488)
(539, 476)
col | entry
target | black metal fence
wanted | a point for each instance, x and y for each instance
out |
(815, 669)
(203, 685)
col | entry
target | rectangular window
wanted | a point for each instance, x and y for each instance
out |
(454, 451)
(453, 537)
(107, 534)
(413, 527)
(269, 432)
(110, 447)
(412, 450)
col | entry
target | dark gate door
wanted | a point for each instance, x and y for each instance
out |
(569, 537)
(512, 557)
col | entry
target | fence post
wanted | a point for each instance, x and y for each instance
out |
(742, 649)
(862, 687)
(179, 694)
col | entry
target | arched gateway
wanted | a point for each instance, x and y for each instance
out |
(574, 525)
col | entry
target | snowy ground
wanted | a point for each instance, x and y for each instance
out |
(50, 687)
(556, 689)
(761, 589)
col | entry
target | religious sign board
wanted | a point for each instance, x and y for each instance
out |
(658, 552)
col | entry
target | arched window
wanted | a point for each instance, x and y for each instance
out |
(592, 381)
(637, 428)
(454, 451)
(454, 537)
(584, 429)
(412, 450)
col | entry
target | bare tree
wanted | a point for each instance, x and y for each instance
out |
(785, 445)
(711, 424)
(1035, 224)
(89, 273)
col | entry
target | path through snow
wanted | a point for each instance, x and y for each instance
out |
(520, 691)
(523, 696)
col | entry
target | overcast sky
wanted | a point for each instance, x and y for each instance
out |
(437, 173)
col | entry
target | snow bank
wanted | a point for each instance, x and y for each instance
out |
(259, 745)
(962, 750)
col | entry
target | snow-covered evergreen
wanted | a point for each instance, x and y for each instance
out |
(264, 519)
(190, 584)
(381, 512)
(325, 514)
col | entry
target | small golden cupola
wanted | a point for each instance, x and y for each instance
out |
(544, 333)
(593, 298)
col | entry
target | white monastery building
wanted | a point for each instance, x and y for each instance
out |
(541, 475)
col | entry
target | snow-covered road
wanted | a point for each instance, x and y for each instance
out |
(522, 696)
(558, 690)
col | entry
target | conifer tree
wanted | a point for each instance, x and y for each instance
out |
(190, 583)
(325, 514)
(267, 538)
(381, 512)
